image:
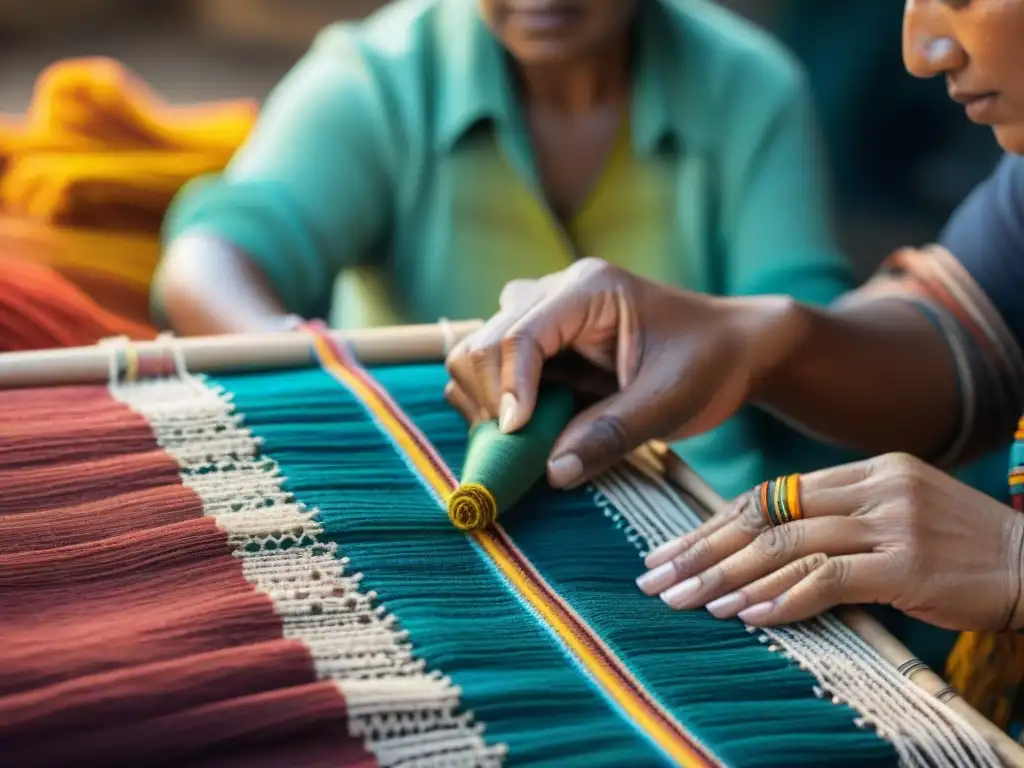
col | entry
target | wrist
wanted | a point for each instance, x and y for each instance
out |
(775, 329)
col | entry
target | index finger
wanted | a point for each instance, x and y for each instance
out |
(547, 328)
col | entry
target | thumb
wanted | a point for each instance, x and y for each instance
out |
(608, 430)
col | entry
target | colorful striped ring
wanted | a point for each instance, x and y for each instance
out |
(780, 500)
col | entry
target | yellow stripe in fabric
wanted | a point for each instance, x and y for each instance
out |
(632, 703)
(626, 696)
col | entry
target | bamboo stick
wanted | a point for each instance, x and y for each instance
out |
(231, 353)
(863, 625)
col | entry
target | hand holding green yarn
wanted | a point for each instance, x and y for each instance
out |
(681, 363)
(501, 468)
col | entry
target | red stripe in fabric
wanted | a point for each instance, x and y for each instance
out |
(43, 486)
(64, 426)
(130, 634)
(96, 520)
(316, 748)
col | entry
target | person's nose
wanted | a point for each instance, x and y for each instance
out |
(929, 46)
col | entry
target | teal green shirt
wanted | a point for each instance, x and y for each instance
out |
(390, 178)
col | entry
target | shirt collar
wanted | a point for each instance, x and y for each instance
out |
(477, 84)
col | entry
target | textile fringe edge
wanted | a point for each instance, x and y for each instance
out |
(923, 732)
(406, 715)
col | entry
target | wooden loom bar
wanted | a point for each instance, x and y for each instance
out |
(863, 625)
(231, 353)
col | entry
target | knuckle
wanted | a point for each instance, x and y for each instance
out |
(775, 543)
(805, 566)
(515, 292)
(591, 272)
(591, 265)
(517, 342)
(457, 359)
(907, 489)
(750, 517)
(903, 475)
(479, 356)
(832, 575)
(693, 558)
(894, 464)
(610, 435)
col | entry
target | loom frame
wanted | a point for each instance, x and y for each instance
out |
(418, 344)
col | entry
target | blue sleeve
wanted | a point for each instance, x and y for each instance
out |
(986, 235)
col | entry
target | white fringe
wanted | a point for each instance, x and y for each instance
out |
(408, 718)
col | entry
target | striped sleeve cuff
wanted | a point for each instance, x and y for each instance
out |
(989, 363)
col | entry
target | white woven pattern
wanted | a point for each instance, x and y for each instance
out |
(408, 717)
(923, 731)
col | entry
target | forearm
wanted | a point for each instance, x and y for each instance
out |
(875, 376)
(207, 286)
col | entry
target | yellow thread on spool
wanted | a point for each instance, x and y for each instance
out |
(472, 507)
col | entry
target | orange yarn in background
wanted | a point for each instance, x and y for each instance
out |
(86, 177)
(39, 309)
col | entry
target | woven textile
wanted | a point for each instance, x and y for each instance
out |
(259, 570)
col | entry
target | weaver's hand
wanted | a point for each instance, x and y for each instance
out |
(679, 363)
(890, 530)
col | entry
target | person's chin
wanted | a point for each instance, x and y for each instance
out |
(541, 53)
(1010, 137)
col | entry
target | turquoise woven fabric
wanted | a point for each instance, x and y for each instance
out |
(752, 707)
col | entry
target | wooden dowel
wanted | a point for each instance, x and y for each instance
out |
(232, 353)
(893, 651)
(863, 625)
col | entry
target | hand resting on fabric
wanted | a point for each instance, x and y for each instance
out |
(890, 530)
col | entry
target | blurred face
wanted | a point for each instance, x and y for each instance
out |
(539, 32)
(978, 46)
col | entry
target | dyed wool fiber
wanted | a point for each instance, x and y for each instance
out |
(112, 269)
(259, 570)
(130, 632)
(40, 309)
(514, 677)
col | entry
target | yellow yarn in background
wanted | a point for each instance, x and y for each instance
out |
(87, 174)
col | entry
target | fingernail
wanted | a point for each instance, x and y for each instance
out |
(679, 595)
(757, 612)
(726, 606)
(565, 470)
(508, 413)
(657, 580)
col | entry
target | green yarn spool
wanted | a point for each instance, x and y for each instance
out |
(501, 468)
